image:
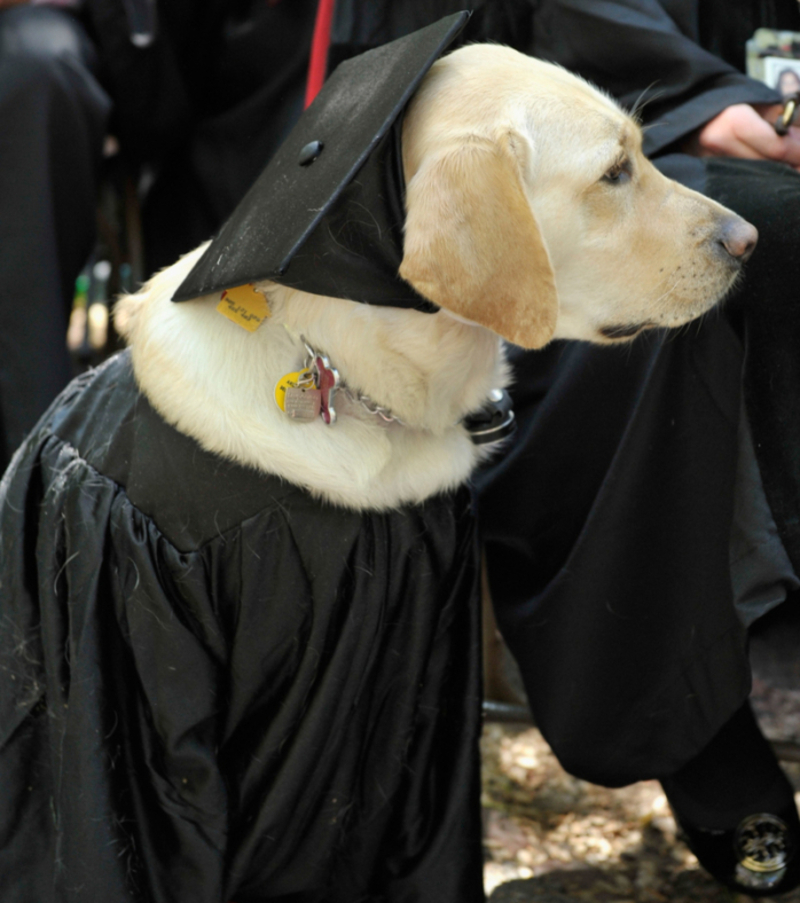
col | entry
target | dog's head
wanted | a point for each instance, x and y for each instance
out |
(532, 211)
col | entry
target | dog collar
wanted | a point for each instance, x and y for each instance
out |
(310, 393)
(494, 421)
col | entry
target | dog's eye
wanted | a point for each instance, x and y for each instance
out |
(619, 173)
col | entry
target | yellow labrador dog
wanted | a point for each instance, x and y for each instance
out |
(532, 215)
(243, 647)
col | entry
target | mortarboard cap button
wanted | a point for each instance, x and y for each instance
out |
(334, 228)
(310, 152)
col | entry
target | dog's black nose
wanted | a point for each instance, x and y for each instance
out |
(738, 237)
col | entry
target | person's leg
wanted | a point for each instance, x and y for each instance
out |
(52, 123)
(762, 574)
(606, 534)
(734, 804)
(768, 194)
(628, 528)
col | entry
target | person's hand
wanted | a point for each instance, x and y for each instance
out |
(746, 131)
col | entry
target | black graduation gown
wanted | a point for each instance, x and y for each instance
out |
(214, 686)
(610, 572)
(678, 62)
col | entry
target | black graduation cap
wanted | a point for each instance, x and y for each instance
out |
(326, 215)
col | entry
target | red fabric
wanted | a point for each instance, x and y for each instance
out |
(318, 63)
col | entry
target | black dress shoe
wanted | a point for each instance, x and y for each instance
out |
(759, 858)
(736, 810)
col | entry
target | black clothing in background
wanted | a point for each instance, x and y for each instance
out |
(237, 74)
(724, 28)
(216, 687)
(659, 58)
(769, 194)
(52, 121)
(239, 90)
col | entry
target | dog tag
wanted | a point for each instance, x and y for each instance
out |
(244, 306)
(302, 378)
(303, 404)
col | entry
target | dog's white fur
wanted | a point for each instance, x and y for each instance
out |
(512, 228)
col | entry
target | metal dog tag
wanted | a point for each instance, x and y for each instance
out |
(303, 404)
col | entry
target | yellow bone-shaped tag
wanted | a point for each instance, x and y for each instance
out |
(245, 306)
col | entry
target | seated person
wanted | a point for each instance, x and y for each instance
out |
(661, 482)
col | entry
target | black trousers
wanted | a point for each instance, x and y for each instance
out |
(608, 525)
(52, 122)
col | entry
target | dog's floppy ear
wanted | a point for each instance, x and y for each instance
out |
(472, 244)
